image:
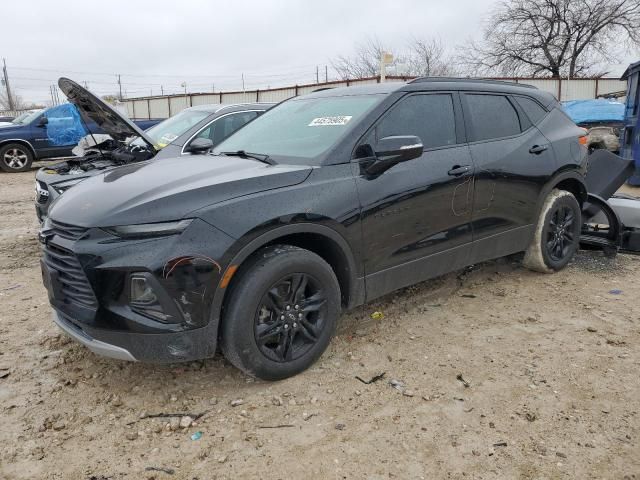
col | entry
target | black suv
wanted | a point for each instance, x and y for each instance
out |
(323, 203)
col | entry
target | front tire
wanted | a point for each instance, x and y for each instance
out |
(282, 312)
(15, 157)
(557, 234)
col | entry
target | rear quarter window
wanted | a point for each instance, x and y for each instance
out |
(531, 108)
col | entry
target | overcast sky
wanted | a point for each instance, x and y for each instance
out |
(208, 43)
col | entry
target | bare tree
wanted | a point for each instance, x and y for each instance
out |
(365, 62)
(427, 57)
(420, 57)
(18, 102)
(553, 37)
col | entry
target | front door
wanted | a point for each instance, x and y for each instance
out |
(59, 133)
(416, 215)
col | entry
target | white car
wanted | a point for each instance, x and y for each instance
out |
(19, 118)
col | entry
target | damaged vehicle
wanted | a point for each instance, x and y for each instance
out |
(603, 120)
(45, 134)
(323, 203)
(194, 130)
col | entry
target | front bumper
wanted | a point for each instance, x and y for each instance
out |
(86, 272)
(144, 347)
(96, 346)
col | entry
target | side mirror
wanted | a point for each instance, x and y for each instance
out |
(393, 150)
(199, 145)
(43, 121)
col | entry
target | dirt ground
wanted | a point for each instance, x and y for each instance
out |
(551, 362)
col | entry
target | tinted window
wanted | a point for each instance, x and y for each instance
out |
(429, 117)
(225, 126)
(531, 108)
(492, 116)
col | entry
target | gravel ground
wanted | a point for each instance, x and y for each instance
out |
(496, 372)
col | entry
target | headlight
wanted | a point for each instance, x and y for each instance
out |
(146, 230)
(66, 185)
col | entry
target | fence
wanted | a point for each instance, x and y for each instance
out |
(168, 105)
(13, 113)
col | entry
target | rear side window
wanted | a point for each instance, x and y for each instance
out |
(226, 125)
(429, 117)
(491, 116)
(531, 108)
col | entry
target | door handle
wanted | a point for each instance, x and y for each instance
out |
(538, 149)
(458, 170)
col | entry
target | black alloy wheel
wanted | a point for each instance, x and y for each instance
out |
(560, 234)
(290, 317)
(282, 310)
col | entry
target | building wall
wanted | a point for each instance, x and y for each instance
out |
(168, 105)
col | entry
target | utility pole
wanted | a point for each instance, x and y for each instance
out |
(317, 75)
(120, 86)
(162, 90)
(243, 83)
(6, 85)
(326, 74)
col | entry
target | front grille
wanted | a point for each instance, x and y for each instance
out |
(70, 232)
(73, 282)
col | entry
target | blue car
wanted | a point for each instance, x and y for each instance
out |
(45, 134)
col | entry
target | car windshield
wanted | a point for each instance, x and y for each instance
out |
(26, 117)
(300, 130)
(168, 130)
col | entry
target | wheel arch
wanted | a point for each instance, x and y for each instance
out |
(570, 181)
(21, 141)
(322, 240)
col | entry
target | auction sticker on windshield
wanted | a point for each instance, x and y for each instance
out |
(330, 121)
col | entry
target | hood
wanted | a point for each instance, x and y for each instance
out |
(10, 127)
(168, 189)
(93, 109)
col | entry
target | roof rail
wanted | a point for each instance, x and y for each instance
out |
(463, 80)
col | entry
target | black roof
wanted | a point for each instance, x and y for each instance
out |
(467, 80)
(438, 83)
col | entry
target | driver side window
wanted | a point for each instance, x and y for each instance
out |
(429, 117)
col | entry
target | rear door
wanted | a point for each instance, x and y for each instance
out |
(416, 215)
(513, 161)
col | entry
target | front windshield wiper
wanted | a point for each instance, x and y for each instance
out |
(256, 156)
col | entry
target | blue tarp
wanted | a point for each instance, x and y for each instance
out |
(593, 111)
(64, 125)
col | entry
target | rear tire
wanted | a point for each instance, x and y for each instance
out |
(282, 312)
(557, 235)
(15, 157)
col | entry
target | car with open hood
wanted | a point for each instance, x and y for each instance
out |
(322, 203)
(194, 130)
(45, 134)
